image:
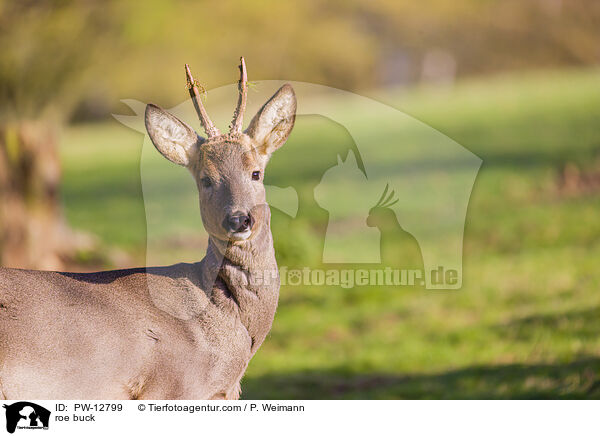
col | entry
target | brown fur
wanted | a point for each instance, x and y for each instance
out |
(181, 331)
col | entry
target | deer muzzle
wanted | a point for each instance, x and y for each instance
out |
(239, 225)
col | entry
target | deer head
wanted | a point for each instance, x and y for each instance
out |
(228, 168)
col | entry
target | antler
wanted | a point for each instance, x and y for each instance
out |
(207, 124)
(238, 115)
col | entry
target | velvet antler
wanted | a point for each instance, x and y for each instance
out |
(207, 124)
(238, 115)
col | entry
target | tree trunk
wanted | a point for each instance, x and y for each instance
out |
(33, 233)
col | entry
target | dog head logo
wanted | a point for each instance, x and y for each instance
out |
(424, 177)
(25, 415)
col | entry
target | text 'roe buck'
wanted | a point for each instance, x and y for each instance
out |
(182, 331)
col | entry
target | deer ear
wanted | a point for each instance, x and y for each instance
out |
(273, 123)
(173, 138)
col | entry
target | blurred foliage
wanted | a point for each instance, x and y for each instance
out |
(91, 53)
(525, 323)
(48, 49)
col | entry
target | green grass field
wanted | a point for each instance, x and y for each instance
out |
(525, 323)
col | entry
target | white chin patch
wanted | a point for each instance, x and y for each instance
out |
(241, 236)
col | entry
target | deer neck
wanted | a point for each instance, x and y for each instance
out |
(246, 280)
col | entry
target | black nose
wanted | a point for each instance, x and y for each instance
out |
(239, 222)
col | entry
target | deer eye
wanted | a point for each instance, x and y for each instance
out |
(206, 182)
(256, 175)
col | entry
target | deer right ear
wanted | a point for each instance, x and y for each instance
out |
(173, 138)
(273, 123)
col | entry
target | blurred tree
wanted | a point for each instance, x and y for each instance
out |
(66, 58)
(348, 44)
(47, 47)
(486, 36)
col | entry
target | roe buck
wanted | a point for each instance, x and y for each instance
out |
(103, 336)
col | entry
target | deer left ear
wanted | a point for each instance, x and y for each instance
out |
(173, 138)
(273, 123)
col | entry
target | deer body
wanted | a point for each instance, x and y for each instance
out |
(181, 331)
(108, 338)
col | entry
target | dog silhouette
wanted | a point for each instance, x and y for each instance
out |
(33, 413)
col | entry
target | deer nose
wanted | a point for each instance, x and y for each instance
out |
(239, 222)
